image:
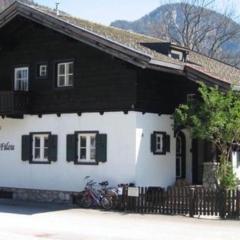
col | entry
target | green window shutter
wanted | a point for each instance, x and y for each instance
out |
(26, 148)
(168, 143)
(101, 147)
(71, 148)
(153, 142)
(53, 148)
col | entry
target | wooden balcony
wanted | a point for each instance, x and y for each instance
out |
(13, 103)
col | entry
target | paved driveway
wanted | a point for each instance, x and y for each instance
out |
(31, 222)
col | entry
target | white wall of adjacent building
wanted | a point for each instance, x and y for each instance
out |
(129, 156)
(236, 163)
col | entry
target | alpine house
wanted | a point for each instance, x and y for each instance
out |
(78, 98)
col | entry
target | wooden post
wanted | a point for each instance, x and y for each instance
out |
(238, 204)
(222, 203)
(192, 203)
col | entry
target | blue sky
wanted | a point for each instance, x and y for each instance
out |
(106, 11)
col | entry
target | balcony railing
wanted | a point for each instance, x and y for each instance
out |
(13, 102)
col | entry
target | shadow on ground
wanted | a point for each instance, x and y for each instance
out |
(29, 208)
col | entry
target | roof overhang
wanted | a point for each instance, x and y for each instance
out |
(196, 76)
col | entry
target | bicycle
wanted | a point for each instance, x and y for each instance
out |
(92, 196)
(110, 192)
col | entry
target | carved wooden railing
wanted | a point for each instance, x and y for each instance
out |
(13, 102)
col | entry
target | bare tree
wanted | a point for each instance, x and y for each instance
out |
(196, 25)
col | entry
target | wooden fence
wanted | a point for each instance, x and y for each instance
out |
(184, 201)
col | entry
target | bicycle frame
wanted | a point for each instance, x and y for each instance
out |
(93, 193)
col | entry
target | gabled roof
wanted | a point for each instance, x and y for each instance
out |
(124, 44)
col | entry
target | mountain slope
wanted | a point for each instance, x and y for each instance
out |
(156, 24)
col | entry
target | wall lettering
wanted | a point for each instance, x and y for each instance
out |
(6, 147)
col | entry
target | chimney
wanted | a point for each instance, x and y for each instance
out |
(57, 7)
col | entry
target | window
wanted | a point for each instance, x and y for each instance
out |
(65, 74)
(191, 97)
(87, 147)
(160, 143)
(21, 76)
(42, 70)
(40, 148)
(177, 55)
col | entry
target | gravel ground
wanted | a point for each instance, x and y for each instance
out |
(40, 221)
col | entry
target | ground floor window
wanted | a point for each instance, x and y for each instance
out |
(86, 147)
(160, 143)
(40, 147)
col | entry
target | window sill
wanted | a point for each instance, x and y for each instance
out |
(62, 89)
(86, 163)
(39, 162)
(42, 78)
(159, 153)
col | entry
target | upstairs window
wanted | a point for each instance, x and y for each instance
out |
(21, 77)
(42, 70)
(65, 74)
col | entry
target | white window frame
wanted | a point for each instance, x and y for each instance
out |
(159, 138)
(88, 148)
(23, 86)
(42, 147)
(43, 68)
(178, 53)
(66, 74)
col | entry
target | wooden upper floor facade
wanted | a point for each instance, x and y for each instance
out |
(43, 71)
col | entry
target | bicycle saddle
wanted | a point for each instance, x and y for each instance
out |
(105, 183)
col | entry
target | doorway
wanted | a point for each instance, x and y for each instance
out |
(180, 155)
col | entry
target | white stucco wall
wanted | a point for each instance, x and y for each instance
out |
(120, 167)
(154, 170)
(129, 155)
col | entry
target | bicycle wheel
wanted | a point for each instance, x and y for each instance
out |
(86, 201)
(113, 196)
(106, 203)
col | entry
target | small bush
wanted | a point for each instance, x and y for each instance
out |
(225, 175)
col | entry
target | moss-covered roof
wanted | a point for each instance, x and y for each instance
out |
(126, 38)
